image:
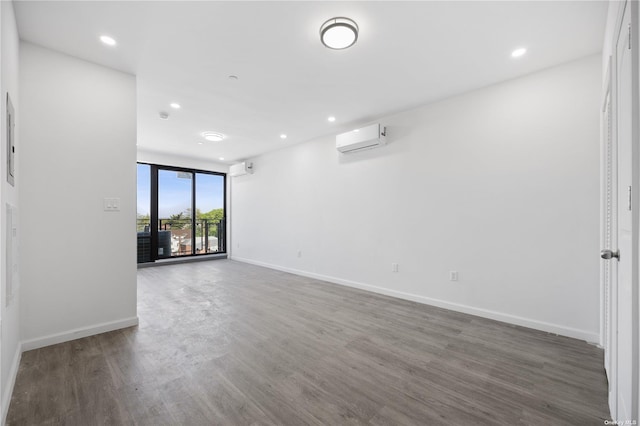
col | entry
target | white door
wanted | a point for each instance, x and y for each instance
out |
(619, 360)
(609, 240)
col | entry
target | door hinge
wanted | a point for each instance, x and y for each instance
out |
(629, 36)
(629, 197)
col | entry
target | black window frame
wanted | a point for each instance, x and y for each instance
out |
(153, 209)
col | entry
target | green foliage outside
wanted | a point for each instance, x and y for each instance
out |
(212, 217)
(182, 220)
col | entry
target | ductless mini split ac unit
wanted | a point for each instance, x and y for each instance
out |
(244, 168)
(368, 137)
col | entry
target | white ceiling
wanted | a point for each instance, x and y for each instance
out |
(407, 54)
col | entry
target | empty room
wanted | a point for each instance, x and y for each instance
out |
(319, 213)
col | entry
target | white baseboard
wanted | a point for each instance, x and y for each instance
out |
(485, 313)
(8, 391)
(78, 333)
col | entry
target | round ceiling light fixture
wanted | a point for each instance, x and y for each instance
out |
(339, 33)
(213, 136)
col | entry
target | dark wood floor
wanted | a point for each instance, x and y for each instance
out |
(225, 343)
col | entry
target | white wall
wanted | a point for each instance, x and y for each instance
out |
(500, 184)
(78, 146)
(10, 347)
(154, 157)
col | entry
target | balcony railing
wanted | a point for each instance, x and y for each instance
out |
(175, 238)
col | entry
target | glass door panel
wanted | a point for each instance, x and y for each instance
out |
(209, 213)
(175, 228)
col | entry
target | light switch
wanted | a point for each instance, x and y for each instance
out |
(112, 204)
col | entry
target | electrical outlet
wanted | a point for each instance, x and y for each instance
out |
(299, 253)
(453, 275)
(394, 267)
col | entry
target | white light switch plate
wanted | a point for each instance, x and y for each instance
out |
(112, 204)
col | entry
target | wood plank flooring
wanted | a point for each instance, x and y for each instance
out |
(226, 343)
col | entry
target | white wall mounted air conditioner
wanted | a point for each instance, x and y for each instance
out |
(244, 168)
(364, 138)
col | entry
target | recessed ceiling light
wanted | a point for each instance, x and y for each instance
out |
(200, 143)
(283, 136)
(233, 77)
(109, 41)
(221, 158)
(339, 33)
(331, 119)
(518, 52)
(213, 136)
(164, 115)
(175, 105)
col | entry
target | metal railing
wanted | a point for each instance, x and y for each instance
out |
(175, 238)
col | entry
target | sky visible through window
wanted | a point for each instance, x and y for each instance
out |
(174, 192)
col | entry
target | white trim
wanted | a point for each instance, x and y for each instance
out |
(485, 313)
(13, 374)
(78, 333)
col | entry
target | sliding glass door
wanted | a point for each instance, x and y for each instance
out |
(175, 222)
(209, 190)
(186, 212)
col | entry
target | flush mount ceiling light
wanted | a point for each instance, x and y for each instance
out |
(518, 52)
(213, 136)
(339, 33)
(109, 41)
